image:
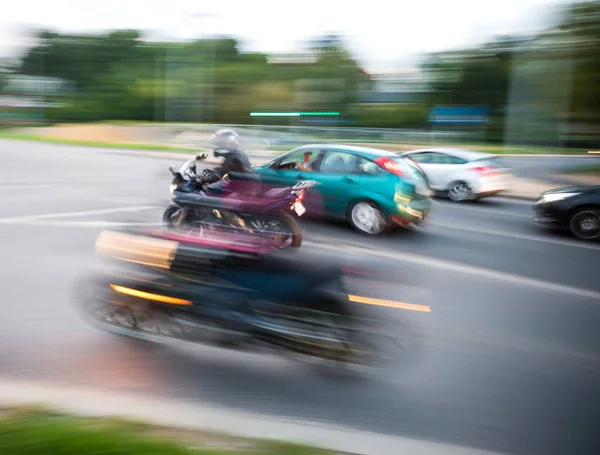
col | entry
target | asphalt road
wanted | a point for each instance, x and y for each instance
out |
(508, 359)
(545, 168)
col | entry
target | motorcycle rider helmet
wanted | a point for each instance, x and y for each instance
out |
(224, 140)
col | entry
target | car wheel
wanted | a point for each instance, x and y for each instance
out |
(367, 218)
(459, 192)
(584, 223)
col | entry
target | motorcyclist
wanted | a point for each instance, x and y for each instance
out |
(236, 165)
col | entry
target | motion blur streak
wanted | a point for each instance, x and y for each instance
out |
(150, 296)
(136, 249)
(389, 303)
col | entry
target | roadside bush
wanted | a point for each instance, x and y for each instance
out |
(388, 115)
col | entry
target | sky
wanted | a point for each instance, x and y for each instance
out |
(380, 33)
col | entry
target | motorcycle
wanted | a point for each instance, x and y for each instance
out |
(164, 287)
(256, 212)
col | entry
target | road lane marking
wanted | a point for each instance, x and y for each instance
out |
(458, 267)
(514, 235)
(92, 224)
(499, 212)
(23, 187)
(21, 219)
(508, 200)
(428, 261)
(389, 303)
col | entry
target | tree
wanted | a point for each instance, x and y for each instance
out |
(118, 75)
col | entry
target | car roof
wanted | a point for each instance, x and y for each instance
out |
(364, 151)
(468, 155)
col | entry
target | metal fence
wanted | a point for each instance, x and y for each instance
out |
(267, 135)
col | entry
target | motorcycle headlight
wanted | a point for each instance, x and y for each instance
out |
(553, 197)
(172, 187)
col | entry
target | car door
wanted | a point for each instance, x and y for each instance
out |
(281, 173)
(339, 181)
(448, 169)
(375, 181)
(438, 166)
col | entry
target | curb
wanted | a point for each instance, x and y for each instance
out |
(80, 401)
(275, 152)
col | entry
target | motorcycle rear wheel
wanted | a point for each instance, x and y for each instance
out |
(286, 232)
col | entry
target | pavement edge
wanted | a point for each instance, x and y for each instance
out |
(81, 401)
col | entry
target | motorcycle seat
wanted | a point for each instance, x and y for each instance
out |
(244, 176)
(277, 193)
(316, 265)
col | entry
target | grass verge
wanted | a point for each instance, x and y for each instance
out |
(37, 431)
(112, 145)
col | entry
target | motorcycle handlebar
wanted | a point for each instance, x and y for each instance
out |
(305, 184)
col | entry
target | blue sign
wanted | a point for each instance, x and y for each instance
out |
(459, 115)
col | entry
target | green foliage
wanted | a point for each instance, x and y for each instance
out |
(388, 115)
(119, 76)
(45, 434)
(556, 78)
(32, 431)
(553, 79)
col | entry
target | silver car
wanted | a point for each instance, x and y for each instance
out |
(462, 175)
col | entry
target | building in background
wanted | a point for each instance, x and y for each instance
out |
(26, 98)
(406, 85)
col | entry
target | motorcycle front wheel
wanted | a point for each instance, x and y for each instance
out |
(173, 217)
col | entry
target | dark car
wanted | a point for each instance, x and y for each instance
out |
(576, 208)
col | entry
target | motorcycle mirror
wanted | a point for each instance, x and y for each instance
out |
(202, 156)
(173, 169)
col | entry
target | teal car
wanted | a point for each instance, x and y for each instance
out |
(370, 188)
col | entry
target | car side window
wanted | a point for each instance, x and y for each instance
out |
(423, 157)
(368, 167)
(450, 159)
(339, 163)
(299, 157)
(441, 158)
(437, 158)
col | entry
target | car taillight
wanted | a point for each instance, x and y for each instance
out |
(390, 165)
(487, 170)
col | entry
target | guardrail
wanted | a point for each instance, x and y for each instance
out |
(269, 135)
